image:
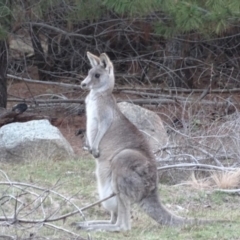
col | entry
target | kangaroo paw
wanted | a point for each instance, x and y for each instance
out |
(95, 153)
(85, 226)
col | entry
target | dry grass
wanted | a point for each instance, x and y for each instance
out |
(226, 180)
(76, 181)
(220, 180)
(201, 183)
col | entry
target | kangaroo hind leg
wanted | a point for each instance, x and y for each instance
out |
(123, 219)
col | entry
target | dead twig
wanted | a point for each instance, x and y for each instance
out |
(46, 219)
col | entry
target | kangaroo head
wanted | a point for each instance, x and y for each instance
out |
(101, 75)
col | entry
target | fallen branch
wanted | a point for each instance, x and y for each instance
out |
(7, 237)
(159, 96)
(233, 191)
(12, 115)
(47, 101)
(177, 90)
(66, 85)
(175, 98)
(198, 166)
(156, 101)
(151, 101)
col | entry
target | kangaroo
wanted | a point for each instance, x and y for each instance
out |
(125, 165)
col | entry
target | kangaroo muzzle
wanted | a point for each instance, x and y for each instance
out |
(83, 85)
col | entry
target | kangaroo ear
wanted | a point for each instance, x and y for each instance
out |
(106, 62)
(94, 60)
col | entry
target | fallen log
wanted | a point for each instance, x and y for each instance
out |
(18, 114)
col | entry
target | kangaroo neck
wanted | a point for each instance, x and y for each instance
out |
(95, 93)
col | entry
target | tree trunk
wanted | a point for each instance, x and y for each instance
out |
(53, 55)
(172, 63)
(3, 73)
(39, 56)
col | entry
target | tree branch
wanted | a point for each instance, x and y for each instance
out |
(66, 85)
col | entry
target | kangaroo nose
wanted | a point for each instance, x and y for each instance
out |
(83, 85)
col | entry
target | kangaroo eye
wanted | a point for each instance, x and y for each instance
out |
(97, 75)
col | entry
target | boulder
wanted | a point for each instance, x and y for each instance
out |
(33, 140)
(148, 122)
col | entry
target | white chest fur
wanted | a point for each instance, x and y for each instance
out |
(103, 171)
(92, 117)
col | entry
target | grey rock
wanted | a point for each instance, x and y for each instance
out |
(148, 122)
(33, 140)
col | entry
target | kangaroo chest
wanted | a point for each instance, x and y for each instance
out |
(92, 118)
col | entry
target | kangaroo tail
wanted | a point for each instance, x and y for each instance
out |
(154, 208)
